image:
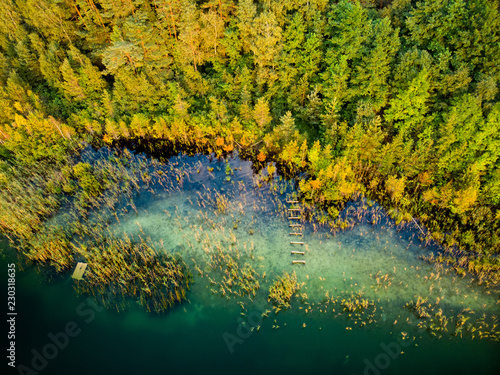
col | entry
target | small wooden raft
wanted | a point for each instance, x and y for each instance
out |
(298, 252)
(298, 262)
(79, 270)
(298, 243)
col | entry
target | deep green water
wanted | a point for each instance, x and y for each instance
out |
(206, 334)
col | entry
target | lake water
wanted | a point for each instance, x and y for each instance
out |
(219, 332)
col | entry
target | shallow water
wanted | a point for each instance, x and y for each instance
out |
(212, 333)
(346, 261)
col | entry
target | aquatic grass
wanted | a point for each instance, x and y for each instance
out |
(282, 290)
(50, 247)
(124, 269)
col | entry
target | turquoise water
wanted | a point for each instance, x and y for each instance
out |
(217, 333)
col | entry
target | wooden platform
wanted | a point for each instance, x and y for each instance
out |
(295, 213)
(79, 270)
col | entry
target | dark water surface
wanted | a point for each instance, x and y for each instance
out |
(192, 341)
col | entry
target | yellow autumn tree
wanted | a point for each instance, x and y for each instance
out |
(395, 187)
(261, 113)
(464, 200)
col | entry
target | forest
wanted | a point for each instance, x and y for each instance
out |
(395, 100)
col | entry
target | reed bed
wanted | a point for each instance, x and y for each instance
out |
(51, 247)
(282, 290)
(433, 320)
(121, 270)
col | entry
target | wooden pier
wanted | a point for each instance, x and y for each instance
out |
(297, 228)
(79, 270)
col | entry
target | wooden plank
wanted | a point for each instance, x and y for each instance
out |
(295, 225)
(418, 225)
(296, 243)
(294, 209)
(296, 234)
(295, 218)
(292, 201)
(298, 262)
(79, 270)
(298, 252)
